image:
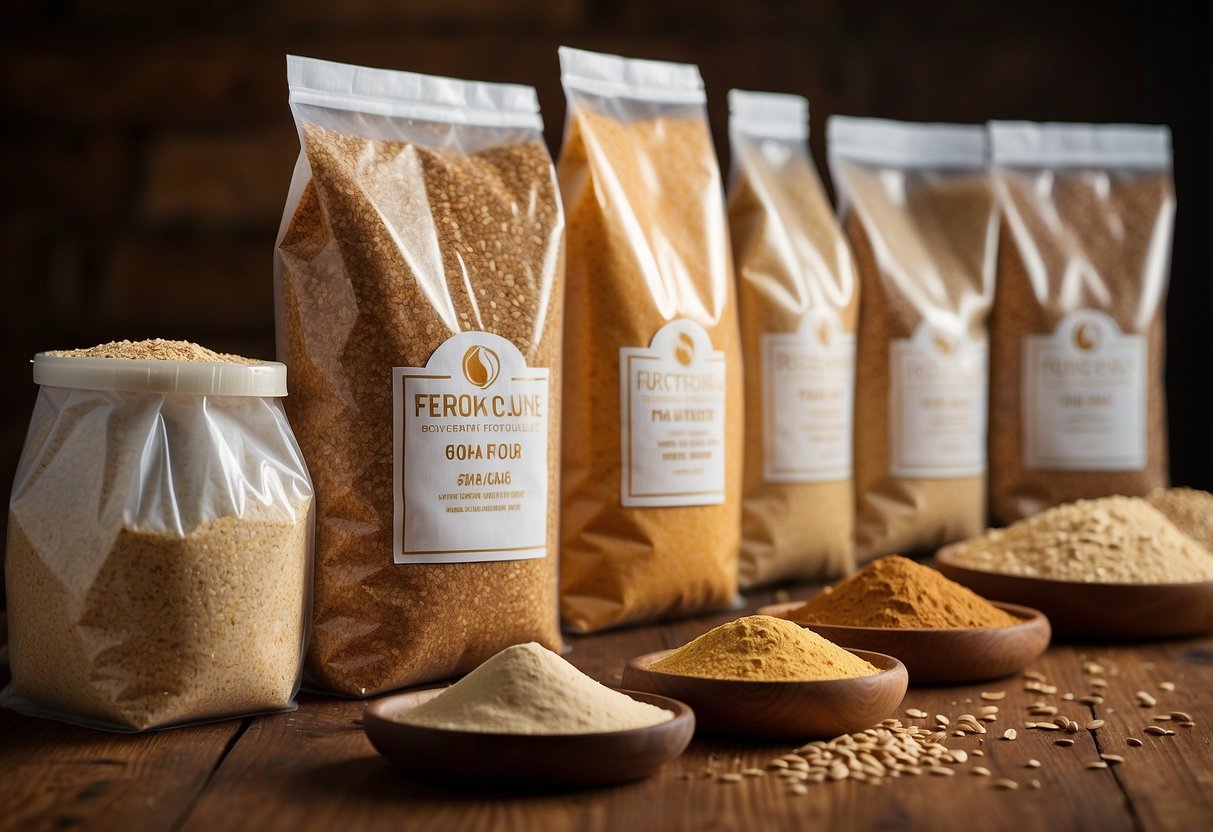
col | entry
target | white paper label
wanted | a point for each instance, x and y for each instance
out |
(672, 408)
(937, 405)
(1084, 397)
(470, 454)
(808, 401)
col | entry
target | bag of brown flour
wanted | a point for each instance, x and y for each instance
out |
(1077, 405)
(918, 207)
(798, 299)
(652, 432)
(419, 280)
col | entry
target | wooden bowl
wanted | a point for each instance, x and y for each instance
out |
(1107, 611)
(779, 710)
(536, 762)
(938, 657)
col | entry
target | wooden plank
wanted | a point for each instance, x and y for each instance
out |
(58, 776)
(1169, 780)
(314, 769)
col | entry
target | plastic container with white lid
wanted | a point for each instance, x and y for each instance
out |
(159, 546)
(149, 375)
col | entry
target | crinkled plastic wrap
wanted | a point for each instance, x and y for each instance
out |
(918, 206)
(1077, 398)
(650, 285)
(798, 298)
(422, 210)
(158, 559)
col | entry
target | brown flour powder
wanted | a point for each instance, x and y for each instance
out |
(395, 247)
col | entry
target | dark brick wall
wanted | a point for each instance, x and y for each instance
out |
(147, 145)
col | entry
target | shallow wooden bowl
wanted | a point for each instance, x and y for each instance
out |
(779, 710)
(939, 657)
(1106, 611)
(531, 762)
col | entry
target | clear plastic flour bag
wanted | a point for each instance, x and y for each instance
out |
(159, 540)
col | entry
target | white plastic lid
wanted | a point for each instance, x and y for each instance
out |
(196, 378)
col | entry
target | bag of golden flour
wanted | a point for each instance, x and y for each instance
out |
(1078, 407)
(653, 411)
(917, 204)
(419, 278)
(798, 299)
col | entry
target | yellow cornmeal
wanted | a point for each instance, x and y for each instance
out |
(761, 648)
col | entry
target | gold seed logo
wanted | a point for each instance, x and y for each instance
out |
(823, 333)
(1086, 337)
(481, 366)
(943, 344)
(684, 349)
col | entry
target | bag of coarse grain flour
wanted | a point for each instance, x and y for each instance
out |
(918, 207)
(1077, 403)
(419, 279)
(653, 398)
(798, 298)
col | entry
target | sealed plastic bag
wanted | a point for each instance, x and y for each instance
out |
(653, 395)
(158, 540)
(918, 207)
(798, 299)
(1078, 407)
(419, 283)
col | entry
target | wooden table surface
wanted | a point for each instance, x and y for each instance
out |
(315, 770)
